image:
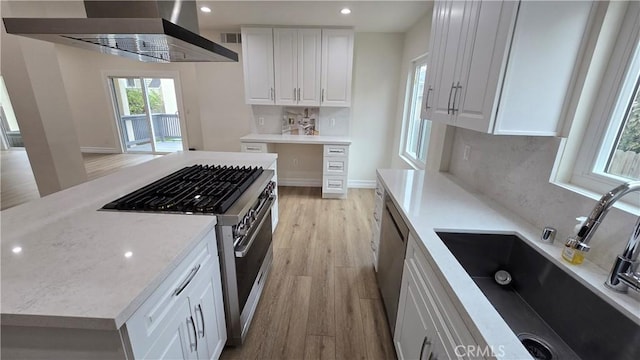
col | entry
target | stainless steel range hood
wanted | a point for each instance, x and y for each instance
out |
(148, 31)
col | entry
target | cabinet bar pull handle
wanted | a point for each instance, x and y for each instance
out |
(186, 281)
(298, 94)
(193, 346)
(449, 107)
(295, 98)
(425, 342)
(426, 103)
(322, 96)
(202, 319)
(271, 94)
(458, 87)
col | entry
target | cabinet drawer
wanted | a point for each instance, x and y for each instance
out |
(334, 184)
(336, 150)
(153, 315)
(335, 165)
(254, 147)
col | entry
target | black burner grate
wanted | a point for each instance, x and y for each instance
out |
(206, 189)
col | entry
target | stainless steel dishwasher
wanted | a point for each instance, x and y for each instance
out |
(393, 244)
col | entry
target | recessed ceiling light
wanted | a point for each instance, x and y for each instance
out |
(17, 250)
(205, 9)
(128, 254)
(345, 11)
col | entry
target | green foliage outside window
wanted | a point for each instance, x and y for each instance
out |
(630, 139)
(136, 102)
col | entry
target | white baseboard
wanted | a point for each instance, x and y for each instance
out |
(99, 150)
(300, 182)
(362, 184)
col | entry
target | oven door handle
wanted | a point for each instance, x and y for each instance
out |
(244, 246)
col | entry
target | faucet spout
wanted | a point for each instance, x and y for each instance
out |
(600, 211)
(626, 262)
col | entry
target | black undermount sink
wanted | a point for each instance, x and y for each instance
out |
(554, 315)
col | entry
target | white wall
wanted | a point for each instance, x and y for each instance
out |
(416, 43)
(514, 171)
(85, 77)
(32, 72)
(216, 115)
(376, 71)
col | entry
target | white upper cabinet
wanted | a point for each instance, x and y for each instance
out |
(297, 66)
(504, 67)
(257, 63)
(337, 64)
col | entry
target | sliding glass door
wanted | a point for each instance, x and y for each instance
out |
(147, 112)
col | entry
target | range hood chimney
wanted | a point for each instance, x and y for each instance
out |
(150, 31)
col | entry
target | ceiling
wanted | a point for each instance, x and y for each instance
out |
(366, 16)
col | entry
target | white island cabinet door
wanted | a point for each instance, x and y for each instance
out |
(257, 60)
(337, 63)
(177, 340)
(208, 313)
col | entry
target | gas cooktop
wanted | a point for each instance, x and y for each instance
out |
(203, 189)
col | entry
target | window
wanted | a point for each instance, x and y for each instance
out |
(623, 159)
(609, 152)
(416, 130)
(147, 114)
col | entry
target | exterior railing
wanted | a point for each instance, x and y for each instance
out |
(136, 128)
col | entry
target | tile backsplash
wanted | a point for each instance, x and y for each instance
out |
(515, 170)
(267, 119)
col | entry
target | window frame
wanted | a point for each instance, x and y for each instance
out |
(414, 161)
(617, 86)
(108, 91)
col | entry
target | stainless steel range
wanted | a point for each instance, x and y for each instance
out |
(241, 198)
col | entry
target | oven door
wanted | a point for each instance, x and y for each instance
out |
(249, 260)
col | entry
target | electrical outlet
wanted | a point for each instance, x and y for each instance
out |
(467, 151)
(261, 121)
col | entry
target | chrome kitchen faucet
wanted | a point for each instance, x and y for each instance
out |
(625, 262)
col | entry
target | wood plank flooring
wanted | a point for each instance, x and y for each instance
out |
(17, 184)
(321, 300)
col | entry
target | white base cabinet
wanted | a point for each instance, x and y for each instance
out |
(335, 162)
(184, 318)
(375, 222)
(428, 325)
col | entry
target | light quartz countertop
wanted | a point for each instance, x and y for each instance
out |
(72, 271)
(432, 202)
(296, 139)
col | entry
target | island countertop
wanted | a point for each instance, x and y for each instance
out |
(71, 270)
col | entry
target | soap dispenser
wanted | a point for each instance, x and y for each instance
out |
(570, 253)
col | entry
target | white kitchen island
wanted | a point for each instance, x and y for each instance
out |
(73, 276)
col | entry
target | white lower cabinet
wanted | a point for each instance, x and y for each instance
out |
(184, 318)
(175, 341)
(376, 218)
(428, 325)
(335, 162)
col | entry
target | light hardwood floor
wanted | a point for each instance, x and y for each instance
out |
(321, 300)
(17, 184)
